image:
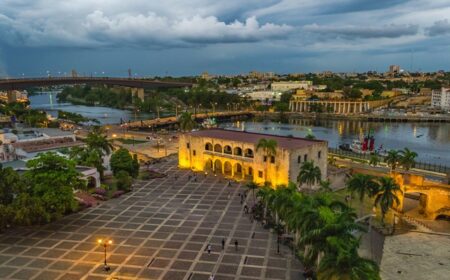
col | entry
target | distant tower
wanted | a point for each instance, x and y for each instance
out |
(129, 73)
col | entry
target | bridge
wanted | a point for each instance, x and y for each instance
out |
(137, 85)
(173, 120)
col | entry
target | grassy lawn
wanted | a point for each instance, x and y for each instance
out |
(130, 141)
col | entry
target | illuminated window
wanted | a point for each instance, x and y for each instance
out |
(272, 159)
(264, 158)
(260, 174)
(193, 152)
(188, 146)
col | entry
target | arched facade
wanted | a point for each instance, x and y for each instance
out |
(227, 150)
(208, 147)
(218, 166)
(249, 153)
(218, 148)
(227, 169)
(237, 151)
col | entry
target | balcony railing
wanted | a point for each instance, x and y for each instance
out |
(230, 156)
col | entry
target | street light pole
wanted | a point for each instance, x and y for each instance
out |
(105, 243)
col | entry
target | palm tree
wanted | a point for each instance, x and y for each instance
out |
(386, 196)
(363, 185)
(186, 121)
(98, 140)
(408, 158)
(252, 186)
(266, 194)
(393, 159)
(269, 147)
(343, 262)
(374, 160)
(309, 174)
(325, 186)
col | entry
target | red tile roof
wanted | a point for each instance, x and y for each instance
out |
(284, 142)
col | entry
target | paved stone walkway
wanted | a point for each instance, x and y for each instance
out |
(416, 256)
(160, 231)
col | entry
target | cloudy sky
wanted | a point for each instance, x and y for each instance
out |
(180, 37)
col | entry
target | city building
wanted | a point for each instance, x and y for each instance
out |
(290, 85)
(394, 69)
(441, 98)
(28, 143)
(234, 154)
(264, 96)
(13, 96)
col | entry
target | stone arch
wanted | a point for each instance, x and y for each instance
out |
(248, 153)
(208, 147)
(227, 149)
(209, 165)
(227, 168)
(217, 166)
(218, 148)
(237, 151)
(238, 170)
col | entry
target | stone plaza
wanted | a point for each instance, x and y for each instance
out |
(160, 230)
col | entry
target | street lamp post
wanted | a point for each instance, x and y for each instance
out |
(105, 243)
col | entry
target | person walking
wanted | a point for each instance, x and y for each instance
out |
(223, 244)
(236, 244)
(209, 249)
(211, 277)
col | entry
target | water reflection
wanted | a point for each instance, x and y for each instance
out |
(430, 140)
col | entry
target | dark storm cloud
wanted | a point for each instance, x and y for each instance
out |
(352, 32)
(441, 27)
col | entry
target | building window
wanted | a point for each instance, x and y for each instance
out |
(260, 174)
(248, 153)
(264, 158)
(208, 147)
(305, 158)
(193, 152)
(299, 159)
(188, 146)
(272, 159)
(319, 154)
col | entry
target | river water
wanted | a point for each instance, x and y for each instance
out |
(430, 140)
(47, 101)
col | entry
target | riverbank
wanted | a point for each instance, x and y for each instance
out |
(362, 117)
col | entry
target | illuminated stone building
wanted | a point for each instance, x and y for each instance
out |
(234, 154)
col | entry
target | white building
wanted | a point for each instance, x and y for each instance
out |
(290, 85)
(441, 98)
(28, 143)
(264, 95)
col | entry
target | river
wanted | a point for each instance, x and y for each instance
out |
(430, 140)
(47, 101)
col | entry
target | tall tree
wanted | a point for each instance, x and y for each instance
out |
(98, 140)
(393, 159)
(343, 262)
(408, 158)
(121, 160)
(252, 186)
(269, 147)
(309, 174)
(53, 179)
(10, 185)
(362, 185)
(186, 121)
(386, 197)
